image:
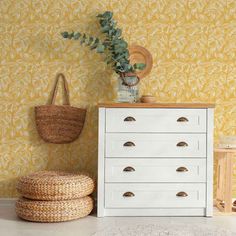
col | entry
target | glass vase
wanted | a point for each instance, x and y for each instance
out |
(128, 88)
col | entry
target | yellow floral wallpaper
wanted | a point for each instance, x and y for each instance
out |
(193, 44)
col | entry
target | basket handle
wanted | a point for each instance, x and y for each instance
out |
(65, 88)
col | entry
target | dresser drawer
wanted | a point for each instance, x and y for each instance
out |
(155, 170)
(155, 145)
(154, 195)
(155, 120)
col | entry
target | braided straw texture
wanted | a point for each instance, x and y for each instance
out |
(53, 211)
(59, 124)
(55, 185)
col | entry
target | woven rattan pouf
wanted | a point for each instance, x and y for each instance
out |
(53, 211)
(55, 185)
(54, 196)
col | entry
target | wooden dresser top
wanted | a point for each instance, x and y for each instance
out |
(156, 105)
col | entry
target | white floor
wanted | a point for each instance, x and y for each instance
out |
(10, 225)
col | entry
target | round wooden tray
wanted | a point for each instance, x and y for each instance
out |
(139, 54)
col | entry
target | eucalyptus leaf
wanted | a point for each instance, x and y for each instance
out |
(95, 44)
(107, 14)
(83, 39)
(77, 35)
(71, 35)
(65, 35)
(89, 41)
(105, 29)
(139, 66)
(103, 22)
(100, 48)
(118, 33)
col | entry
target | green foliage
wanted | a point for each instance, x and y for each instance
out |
(114, 46)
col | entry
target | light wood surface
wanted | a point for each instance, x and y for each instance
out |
(229, 150)
(229, 181)
(224, 179)
(156, 105)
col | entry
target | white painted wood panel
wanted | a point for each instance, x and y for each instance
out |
(210, 141)
(155, 120)
(152, 151)
(155, 211)
(154, 195)
(155, 170)
(101, 163)
(155, 145)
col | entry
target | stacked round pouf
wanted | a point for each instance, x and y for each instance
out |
(54, 196)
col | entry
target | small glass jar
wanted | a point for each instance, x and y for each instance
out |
(128, 88)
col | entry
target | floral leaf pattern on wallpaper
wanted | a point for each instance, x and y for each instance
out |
(193, 44)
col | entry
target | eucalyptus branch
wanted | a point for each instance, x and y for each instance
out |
(114, 44)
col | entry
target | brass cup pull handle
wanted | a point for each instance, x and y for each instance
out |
(128, 194)
(181, 194)
(129, 118)
(182, 144)
(182, 169)
(182, 119)
(129, 144)
(128, 169)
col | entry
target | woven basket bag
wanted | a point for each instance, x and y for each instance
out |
(53, 211)
(59, 124)
(55, 185)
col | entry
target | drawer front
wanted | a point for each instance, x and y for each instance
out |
(155, 145)
(154, 195)
(155, 120)
(155, 170)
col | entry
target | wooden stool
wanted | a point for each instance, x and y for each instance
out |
(224, 178)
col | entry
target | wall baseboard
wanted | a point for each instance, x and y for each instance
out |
(7, 201)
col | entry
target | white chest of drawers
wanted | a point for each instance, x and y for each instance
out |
(155, 160)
